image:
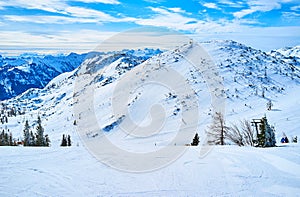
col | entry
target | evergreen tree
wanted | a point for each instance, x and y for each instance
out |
(266, 136)
(2, 143)
(32, 141)
(47, 140)
(6, 139)
(195, 140)
(69, 140)
(64, 141)
(295, 139)
(10, 140)
(26, 134)
(40, 139)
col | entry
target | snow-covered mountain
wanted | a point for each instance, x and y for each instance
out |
(87, 96)
(290, 55)
(18, 74)
(289, 51)
(250, 77)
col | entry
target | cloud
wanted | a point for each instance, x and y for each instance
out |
(72, 14)
(177, 21)
(77, 16)
(177, 10)
(87, 13)
(260, 6)
(295, 8)
(155, 1)
(99, 1)
(244, 12)
(211, 5)
(290, 16)
(58, 6)
(48, 19)
(167, 18)
(16, 42)
(236, 4)
(49, 5)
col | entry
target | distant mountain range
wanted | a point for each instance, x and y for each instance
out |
(18, 74)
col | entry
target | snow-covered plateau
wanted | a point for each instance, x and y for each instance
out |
(84, 103)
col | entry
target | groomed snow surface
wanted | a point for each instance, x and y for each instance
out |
(225, 171)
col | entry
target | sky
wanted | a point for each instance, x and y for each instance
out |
(62, 26)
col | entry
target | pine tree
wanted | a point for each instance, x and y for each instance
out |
(32, 141)
(5, 139)
(40, 139)
(47, 140)
(64, 141)
(2, 143)
(26, 134)
(266, 136)
(69, 140)
(195, 140)
(10, 140)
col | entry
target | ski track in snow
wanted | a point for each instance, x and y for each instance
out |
(225, 171)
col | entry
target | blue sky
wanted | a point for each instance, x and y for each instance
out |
(64, 25)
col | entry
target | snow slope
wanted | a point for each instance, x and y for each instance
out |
(226, 171)
(251, 78)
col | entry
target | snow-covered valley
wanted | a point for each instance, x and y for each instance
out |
(250, 79)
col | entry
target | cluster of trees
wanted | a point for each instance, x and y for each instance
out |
(6, 112)
(6, 139)
(241, 135)
(66, 140)
(35, 139)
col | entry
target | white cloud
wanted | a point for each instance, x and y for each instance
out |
(211, 5)
(243, 13)
(295, 8)
(87, 13)
(58, 6)
(85, 18)
(99, 1)
(176, 21)
(16, 42)
(155, 1)
(47, 19)
(49, 5)
(260, 6)
(72, 14)
(236, 4)
(178, 10)
(165, 18)
(290, 16)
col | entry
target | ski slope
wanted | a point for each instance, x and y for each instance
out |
(225, 171)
